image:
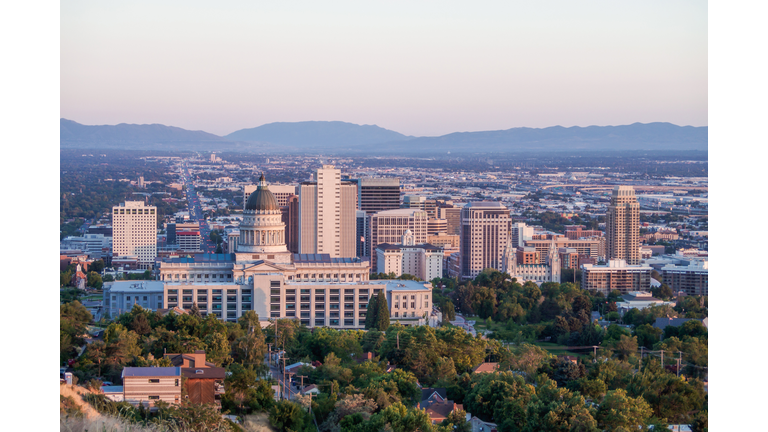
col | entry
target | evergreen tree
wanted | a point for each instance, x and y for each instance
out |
(370, 314)
(382, 313)
(195, 311)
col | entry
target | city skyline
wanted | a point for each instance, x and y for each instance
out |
(412, 68)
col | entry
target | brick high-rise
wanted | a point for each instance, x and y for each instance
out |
(622, 226)
(484, 235)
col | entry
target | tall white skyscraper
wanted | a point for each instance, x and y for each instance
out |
(327, 221)
(134, 232)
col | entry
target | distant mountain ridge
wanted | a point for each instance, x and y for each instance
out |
(345, 137)
(317, 134)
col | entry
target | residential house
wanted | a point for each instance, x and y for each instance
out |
(147, 385)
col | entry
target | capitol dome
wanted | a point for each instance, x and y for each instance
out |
(262, 199)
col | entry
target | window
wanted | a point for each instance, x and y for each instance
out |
(154, 381)
(177, 382)
(153, 397)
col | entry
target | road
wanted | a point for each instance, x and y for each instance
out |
(196, 213)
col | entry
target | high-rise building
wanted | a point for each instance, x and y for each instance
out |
(134, 232)
(390, 225)
(375, 194)
(615, 275)
(292, 223)
(622, 226)
(362, 232)
(420, 202)
(425, 261)
(484, 237)
(520, 232)
(452, 215)
(327, 220)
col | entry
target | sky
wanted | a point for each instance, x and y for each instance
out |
(422, 68)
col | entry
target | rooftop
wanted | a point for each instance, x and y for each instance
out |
(151, 371)
(135, 286)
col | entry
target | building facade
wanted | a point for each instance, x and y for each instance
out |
(692, 279)
(520, 232)
(327, 222)
(280, 191)
(134, 232)
(424, 261)
(484, 236)
(120, 296)
(452, 216)
(616, 275)
(622, 226)
(389, 227)
(593, 247)
(375, 194)
(528, 271)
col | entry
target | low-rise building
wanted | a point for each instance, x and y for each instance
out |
(615, 275)
(120, 296)
(638, 300)
(692, 279)
(424, 261)
(147, 385)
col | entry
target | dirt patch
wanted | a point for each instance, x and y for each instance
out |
(76, 393)
(258, 422)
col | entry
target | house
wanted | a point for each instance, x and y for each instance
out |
(436, 404)
(486, 368)
(482, 426)
(204, 382)
(312, 388)
(147, 385)
(662, 323)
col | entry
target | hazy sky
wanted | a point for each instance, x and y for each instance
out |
(420, 68)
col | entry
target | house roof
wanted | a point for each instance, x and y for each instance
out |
(661, 323)
(309, 388)
(438, 410)
(427, 393)
(151, 371)
(204, 373)
(111, 389)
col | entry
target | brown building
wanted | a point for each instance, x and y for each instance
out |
(622, 226)
(569, 258)
(452, 216)
(389, 226)
(204, 382)
(290, 217)
(527, 255)
(443, 239)
(435, 226)
(575, 232)
(692, 279)
(594, 247)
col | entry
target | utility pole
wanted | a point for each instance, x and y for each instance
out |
(269, 353)
(679, 360)
(284, 359)
(594, 351)
(302, 380)
(662, 359)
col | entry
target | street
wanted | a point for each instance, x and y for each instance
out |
(196, 214)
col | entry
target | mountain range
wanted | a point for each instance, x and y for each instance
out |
(342, 137)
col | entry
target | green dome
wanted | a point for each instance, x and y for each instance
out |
(262, 198)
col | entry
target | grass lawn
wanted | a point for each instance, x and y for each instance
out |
(93, 297)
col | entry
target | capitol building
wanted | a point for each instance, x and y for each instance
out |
(263, 276)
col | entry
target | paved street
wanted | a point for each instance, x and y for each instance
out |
(196, 213)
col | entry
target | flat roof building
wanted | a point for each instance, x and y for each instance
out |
(615, 275)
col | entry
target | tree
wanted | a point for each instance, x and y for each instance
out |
(195, 311)
(618, 411)
(94, 280)
(371, 314)
(647, 335)
(382, 315)
(288, 416)
(663, 292)
(97, 266)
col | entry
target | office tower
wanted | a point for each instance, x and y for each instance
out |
(390, 225)
(520, 232)
(327, 220)
(134, 232)
(435, 226)
(452, 215)
(375, 194)
(622, 226)
(421, 203)
(281, 192)
(290, 217)
(363, 235)
(484, 236)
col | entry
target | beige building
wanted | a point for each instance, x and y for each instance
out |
(390, 225)
(443, 240)
(424, 261)
(327, 218)
(484, 236)
(616, 275)
(435, 226)
(134, 232)
(622, 226)
(148, 385)
(520, 232)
